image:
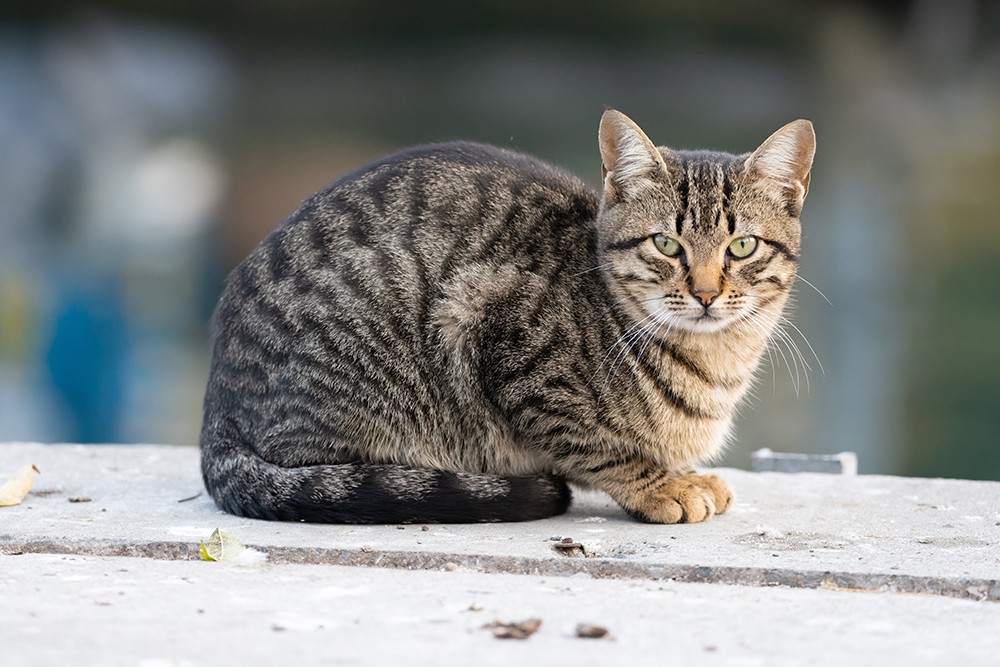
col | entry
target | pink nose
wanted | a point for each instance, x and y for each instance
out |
(706, 298)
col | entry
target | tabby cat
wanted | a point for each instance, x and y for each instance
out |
(454, 332)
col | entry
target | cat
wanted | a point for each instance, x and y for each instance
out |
(454, 332)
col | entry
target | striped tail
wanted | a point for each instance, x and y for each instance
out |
(242, 483)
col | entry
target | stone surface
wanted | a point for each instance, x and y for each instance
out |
(117, 575)
(87, 610)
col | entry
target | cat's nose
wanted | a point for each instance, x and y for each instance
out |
(706, 298)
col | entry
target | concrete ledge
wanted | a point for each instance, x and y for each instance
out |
(88, 610)
(116, 580)
(806, 530)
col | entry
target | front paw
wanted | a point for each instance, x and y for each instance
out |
(687, 498)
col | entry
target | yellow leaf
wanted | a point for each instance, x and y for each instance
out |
(221, 546)
(17, 487)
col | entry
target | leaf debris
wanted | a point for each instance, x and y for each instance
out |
(591, 631)
(18, 486)
(521, 630)
(221, 546)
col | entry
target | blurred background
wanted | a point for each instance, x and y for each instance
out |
(147, 147)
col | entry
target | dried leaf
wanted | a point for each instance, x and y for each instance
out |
(221, 546)
(521, 630)
(591, 631)
(17, 487)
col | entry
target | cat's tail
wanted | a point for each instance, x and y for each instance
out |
(242, 483)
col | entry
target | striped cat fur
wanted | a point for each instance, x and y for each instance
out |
(454, 332)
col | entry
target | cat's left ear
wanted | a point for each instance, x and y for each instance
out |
(630, 160)
(786, 159)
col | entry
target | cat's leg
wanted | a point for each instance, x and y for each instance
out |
(652, 493)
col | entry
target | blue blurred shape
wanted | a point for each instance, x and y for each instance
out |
(85, 360)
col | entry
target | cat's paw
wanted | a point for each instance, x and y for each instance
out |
(686, 499)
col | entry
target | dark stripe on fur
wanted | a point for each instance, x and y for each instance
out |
(626, 245)
(627, 459)
(775, 280)
(683, 190)
(652, 480)
(689, 364)
(783, 249)
(671, 397)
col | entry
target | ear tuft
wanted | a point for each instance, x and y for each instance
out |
(628, 154)
(786, 158)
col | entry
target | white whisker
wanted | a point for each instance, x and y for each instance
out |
(623, 354)
(770, 361)
(775, 338)
(770, 357)
(599, 266)
(796, 355)
(815, 288)
(613, 345)
(654, 334)
(797, 330)
(673, 317)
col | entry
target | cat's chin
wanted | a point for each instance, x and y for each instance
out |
(704, 324)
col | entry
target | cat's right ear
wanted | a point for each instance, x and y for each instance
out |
(630, 160)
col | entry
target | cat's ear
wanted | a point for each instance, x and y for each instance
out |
(785, 159)
(630, 160)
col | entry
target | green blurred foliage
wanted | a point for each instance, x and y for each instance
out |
(953, 424)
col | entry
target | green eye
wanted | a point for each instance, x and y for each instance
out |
(743, 247)
(668, 246)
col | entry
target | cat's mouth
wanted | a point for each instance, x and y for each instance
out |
(708, 318)
(706, 313)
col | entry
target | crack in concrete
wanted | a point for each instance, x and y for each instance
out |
(598, 568)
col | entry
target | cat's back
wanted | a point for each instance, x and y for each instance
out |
(420, 214)
(444, 192)
(401, 226)
(358, 281)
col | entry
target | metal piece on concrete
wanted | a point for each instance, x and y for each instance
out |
(844, 463)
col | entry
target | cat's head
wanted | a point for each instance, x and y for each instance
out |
(696, 241)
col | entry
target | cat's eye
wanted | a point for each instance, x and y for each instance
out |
(743, 247)
(668, 246)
